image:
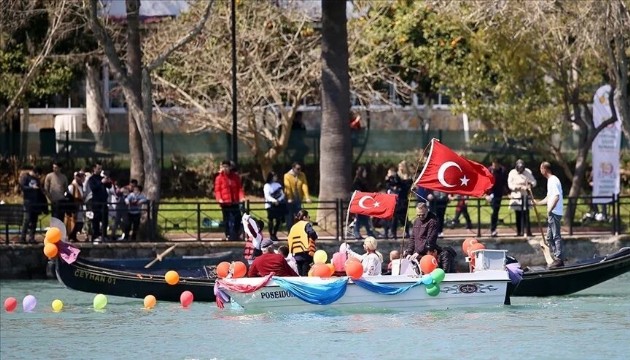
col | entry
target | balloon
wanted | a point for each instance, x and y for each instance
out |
(149, 302)
(186, 298)
(473, 247)
(10, 304)
(320, 257)
(438, 275)
(433, 290)
(240, 269)
(428, 263)
(57, 305)
(50, 250)
(171, 277)
(331, 268)
(426, 279)
(354, 269)
(466, 244)
(339, 259)
(29, 303)
(310, 273)
(223, 269)
(100, 301)
(53, 235)
(321, 270)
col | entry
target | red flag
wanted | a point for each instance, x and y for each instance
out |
(446, 171)
(378, 205)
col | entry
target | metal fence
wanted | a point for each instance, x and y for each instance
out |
(202, 221)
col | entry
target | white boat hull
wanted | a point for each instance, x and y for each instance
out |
(486, 288)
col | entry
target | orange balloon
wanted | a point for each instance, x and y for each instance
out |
(223, 269)
(354, 269)
(331, 267)
(428, 263)
(50, 250)
(240, 269)
(467, 243)
(310, 273)
(149, 302)
(473, 247)
(321, 270)
(53, 235)
(171, 277)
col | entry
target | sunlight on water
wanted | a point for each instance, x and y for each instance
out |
(592, 324)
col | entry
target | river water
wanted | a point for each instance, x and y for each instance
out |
(592, 324)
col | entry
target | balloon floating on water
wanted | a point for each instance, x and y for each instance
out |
(149, 302)
(57, 305)
(29, 303)
(100, 301)
(10, 304)
(186, 298)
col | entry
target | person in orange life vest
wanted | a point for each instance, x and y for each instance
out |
(270, 262)
(228, 191)
(301, 242)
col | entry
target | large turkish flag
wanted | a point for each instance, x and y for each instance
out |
(378, 205)
(446, 171)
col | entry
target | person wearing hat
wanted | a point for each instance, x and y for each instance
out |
(520, 182)
(270, 262)
(445, 256)
(372, 260)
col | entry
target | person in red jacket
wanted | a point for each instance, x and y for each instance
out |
(270, 262)
(229, 193)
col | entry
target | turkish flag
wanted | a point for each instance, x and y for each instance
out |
(378, 205)
(448, 172)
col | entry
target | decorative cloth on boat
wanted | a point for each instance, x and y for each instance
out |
(221, 296)
(384, 289)
(317, 294)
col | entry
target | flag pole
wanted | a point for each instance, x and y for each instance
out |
(402, 245)
(348, 215)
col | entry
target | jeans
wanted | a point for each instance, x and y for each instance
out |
(494, 218)
(553, 235)
(362, 221)
(29, 224)
(292, 209)
(232, 221)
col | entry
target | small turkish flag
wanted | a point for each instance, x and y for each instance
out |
(378, 205)
(446, 171)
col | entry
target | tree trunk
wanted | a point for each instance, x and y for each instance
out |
(336, 157)
(134, 73)
(94, 114)
(145, 125)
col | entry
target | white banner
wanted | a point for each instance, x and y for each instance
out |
(606, 149)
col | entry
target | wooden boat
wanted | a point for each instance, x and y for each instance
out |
(486, 286)
(87, 276)
(179, 264)
(539, 281)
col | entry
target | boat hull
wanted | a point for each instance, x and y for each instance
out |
(571, 279)
(83, 275)
(456, 291)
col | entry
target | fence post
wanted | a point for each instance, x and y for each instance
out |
(198, 221)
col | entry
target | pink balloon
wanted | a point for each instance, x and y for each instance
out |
(29, 303)
(186, 298)
(10, 304)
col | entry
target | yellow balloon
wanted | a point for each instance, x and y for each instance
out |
(57, 305)
(320, 257)
(99, 302)
(149, 302)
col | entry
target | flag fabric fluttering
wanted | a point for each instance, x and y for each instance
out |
(448, 172)
(378, 205)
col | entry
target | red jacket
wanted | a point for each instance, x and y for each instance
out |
(267, 263)
(228, 188)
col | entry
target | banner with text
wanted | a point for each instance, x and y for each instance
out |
(606, 149)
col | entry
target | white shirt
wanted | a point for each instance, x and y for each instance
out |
(372, 263)
(269, 189)
(554, 188)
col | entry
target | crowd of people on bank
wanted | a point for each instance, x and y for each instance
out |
(90, 203)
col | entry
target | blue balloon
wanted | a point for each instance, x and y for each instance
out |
(427, 279)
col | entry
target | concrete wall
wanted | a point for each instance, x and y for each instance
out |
(28, 261)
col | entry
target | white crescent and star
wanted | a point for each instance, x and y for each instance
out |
(362, 202)
(464, 180)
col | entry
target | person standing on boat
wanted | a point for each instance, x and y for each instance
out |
(444, 256)
(229, 193)
(372, 260)
(253, 230)
(554, 213)
(301, 242)
(424, 232)
(270, 262)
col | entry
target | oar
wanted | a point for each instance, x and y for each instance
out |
(160, 256)
(544, 245)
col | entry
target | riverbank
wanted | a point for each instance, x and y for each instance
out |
(27, 261)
